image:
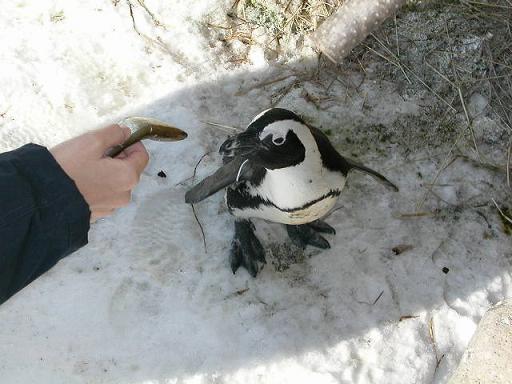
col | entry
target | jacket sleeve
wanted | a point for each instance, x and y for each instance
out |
(43, 216)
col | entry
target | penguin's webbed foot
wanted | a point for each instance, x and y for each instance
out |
(246, 249)
(309, 234)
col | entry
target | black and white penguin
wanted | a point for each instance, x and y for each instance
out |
(282, 170)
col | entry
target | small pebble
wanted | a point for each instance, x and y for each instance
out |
(162, 174)
(446, 269)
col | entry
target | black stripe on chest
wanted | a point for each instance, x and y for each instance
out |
(240, 198)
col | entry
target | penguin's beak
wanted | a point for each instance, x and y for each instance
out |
(243, 144)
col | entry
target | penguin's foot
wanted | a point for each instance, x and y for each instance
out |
(246, 249)
(308, 234)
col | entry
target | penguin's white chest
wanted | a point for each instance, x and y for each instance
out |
(295, 195)
(300, 215)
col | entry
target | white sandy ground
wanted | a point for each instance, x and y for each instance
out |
(143, 303)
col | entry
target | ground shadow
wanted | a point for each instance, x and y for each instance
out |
(147, 302)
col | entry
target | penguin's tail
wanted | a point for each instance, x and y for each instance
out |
(376, 175)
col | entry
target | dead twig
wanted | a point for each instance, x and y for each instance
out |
(483, 164)
(508, 163)
(195, 169)
(263, 84)
(378, 297)
(416, 214)
(194, 208)
(501, 212)
(159, 43)
(240, 292)
(434, 344)
(197, 164)
(449, 159)
(459, 91)
(130, 7)
(200, 227)
(396, 57)
(226, 127)
(439, 362)
(490, 5)
(429, 88)
(461, 98)
(282, 93)
(151, 14)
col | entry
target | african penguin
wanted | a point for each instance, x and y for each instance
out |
(282, 170)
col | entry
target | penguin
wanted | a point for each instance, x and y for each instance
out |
(282, 170)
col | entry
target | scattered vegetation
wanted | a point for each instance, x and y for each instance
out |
(459, 54)
(56, 17)
(455, 55)
(284, 17)
(276, 25)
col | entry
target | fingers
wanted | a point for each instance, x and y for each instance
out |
(116, 176)
(110, 136)
(124, 171)
(137, 157)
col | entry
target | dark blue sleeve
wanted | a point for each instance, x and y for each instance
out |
(43, 216)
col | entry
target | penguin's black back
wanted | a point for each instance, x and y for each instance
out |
(331, 159)
(271, 116)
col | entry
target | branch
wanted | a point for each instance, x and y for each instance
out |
(350, 25)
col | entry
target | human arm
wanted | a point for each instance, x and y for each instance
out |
(48, 198)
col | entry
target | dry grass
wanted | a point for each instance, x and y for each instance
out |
(273, 23)
(451, 50)
(285, 17)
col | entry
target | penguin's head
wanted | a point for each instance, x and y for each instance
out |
(282, 139)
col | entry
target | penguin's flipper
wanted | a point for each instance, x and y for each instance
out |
(246, 249)
(376, 175)
(229, 173)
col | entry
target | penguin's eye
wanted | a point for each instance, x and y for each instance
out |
(278, 141)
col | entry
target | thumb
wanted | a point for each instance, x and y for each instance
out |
(136, 156)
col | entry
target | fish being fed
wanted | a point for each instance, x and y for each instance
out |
(282, 170)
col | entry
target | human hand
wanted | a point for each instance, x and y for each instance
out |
(105, 183)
